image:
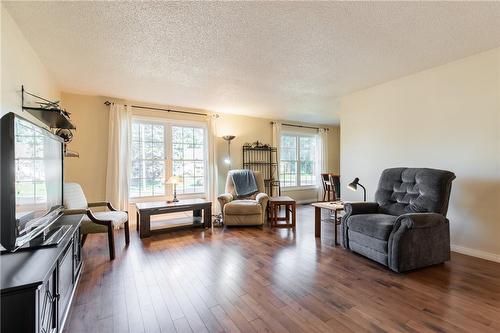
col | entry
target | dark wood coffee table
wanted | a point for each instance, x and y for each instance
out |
(146, 209)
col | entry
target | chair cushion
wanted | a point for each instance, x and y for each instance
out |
(118, 218)
(243, 207)
(374, 225)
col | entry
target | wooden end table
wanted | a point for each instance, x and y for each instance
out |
(146, 209)
(274, 205)
(333, 206)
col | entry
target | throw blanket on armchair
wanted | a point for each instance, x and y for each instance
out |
(244, 182)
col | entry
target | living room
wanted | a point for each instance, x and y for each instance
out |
(250, 166)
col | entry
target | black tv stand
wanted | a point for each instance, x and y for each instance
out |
(37, 284)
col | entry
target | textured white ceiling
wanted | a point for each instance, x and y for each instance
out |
(278, 60)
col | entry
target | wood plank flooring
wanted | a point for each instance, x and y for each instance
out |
(265, 280)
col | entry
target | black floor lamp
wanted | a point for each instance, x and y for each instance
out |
(354, 186)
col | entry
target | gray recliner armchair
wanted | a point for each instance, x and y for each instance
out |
(406, 227)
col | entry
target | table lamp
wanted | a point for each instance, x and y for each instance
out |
(354, 186)
(174, 180)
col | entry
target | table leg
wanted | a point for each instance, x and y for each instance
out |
(335, 226)
(287, 213)
(275, 216)
(137, 220)
(145, 225)
(317, 222)
(271, 212)
(294, 215)
(207, 217)
(197, 216)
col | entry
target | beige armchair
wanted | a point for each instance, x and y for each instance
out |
(244, 211)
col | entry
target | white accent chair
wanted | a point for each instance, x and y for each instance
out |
(95, 222)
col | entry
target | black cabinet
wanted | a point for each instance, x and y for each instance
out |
(48, 305)
(38, 285)
(65, 281)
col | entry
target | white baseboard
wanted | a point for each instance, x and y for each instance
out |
(476, 253)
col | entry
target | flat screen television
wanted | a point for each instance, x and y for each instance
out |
(32, 180)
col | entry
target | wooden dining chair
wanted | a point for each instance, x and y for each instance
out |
(331, 186)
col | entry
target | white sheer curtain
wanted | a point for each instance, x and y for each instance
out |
(322, 158)
(212, 162)
(277, 144)
(118, 168)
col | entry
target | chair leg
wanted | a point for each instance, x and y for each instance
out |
(127, 233)
(84, 238)
(111, 242)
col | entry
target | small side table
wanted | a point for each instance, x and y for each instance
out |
(333, 206)
(275, 204)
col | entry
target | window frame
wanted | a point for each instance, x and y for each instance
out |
(168, 157)
(165, 151)
(299, 187)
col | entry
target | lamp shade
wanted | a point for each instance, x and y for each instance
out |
(228, 137)
(174, 180)
(354, 185)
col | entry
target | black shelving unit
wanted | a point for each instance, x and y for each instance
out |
(265, 160)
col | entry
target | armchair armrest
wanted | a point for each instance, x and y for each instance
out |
(102, 204)
(355, 208)
(224, 199)
(89, 214)
(418, 240)
(421, 220)
(75, 211)
(262, 199)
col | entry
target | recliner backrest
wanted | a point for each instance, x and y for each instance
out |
(414, 190)
(259, 179)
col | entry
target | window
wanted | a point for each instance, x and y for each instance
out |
(297, 160)
(148, 159)
(160, 150)
(188, 145)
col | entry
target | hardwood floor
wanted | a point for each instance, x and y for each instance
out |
(249, 279)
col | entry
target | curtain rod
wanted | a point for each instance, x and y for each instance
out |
(303, 126)
(160, 109)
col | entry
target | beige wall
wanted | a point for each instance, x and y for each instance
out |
(446, 117)
(91, 118)
(21, 66)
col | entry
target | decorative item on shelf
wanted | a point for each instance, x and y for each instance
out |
(47, 111)
(174, 180)
(67, 136)
(257, 144)
(228, 138)
(354, 186)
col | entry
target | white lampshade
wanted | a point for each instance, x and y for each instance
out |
(174, 180)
